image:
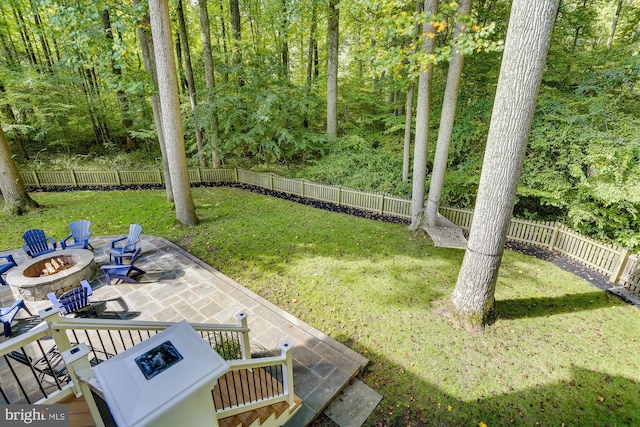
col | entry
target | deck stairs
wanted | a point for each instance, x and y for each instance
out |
(247, 391)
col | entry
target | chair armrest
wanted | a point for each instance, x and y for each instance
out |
(26, 249)
(53, 241)
(114, 266)
(9, 259)
(113, 242)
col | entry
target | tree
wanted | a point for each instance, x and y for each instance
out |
(170, 104)
(523, 61)
(16, 199)
(614, 23)
(446, 121)
(210, 80)
(422, 117)
(332, 69)
(148, 56)
(191, 83)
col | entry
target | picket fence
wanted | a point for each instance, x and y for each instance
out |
(616, 262)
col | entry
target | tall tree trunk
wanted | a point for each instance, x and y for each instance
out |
(210, 80)
(191, 83)
(123, 100)
(408, 121)
(225, 49)
(236, 30)
(170, 104)
(408, 110)
(25, 34)
(312, 46)
(446, 120)
(16, 199)
(284, 41)
(614, 24)
(148, 56)
(8, 111)
(523, 60)
(333, 33)
(423, 108)
(46, 51)
(182, 79)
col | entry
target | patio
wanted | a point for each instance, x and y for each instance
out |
(178, 286)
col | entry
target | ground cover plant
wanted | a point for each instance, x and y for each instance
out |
(560, 352)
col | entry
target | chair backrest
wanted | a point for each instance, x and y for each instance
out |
(74, 300)
(134, 233)
(36, 240)
(80, 229)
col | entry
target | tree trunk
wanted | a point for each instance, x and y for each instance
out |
(8, 111)
(614, 24)
(408, 121)
(191, 83)
(225, 50)
(523, 60)
(123, 101)
(332, 69)
(210, 80)
(24, 33)
(171, 119)
(422, 119)
(284, 41)
(446, 121)
(148, 56)
(16, 199)
(236, 30)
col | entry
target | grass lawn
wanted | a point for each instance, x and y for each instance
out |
(560, 353)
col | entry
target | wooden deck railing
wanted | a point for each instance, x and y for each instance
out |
(24, 383)
(608, 259)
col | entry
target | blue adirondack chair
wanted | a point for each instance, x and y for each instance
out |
(6, 266)
(125, 246)
(37, 243)
(79, 237)
(75, 300)
(8, 313)
(122, 271)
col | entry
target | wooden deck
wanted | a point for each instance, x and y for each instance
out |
(245, 391)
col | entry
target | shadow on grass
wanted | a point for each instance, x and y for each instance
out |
(583, 397)
(521, 308)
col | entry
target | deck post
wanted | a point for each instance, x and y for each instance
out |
(622, 263)
(53, 318)
(287, 373)
(245, 344)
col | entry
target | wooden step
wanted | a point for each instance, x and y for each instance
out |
(246, 419)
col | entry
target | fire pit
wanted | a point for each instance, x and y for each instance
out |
(52, 272)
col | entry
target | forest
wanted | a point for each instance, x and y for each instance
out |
(254, 80)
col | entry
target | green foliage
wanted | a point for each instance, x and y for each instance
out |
(266, 119)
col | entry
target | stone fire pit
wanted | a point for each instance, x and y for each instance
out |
(52, 272)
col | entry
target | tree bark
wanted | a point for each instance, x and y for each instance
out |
(191, 83)
(332, 69)
(423, 107)
(523, 60)
(171, 119)
(446, 121)
(148, 56)
(16, 199)
(210, 80)
(236, 30)
(408, 121)
(614, 24)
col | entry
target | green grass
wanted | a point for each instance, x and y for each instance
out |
(561, 351)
